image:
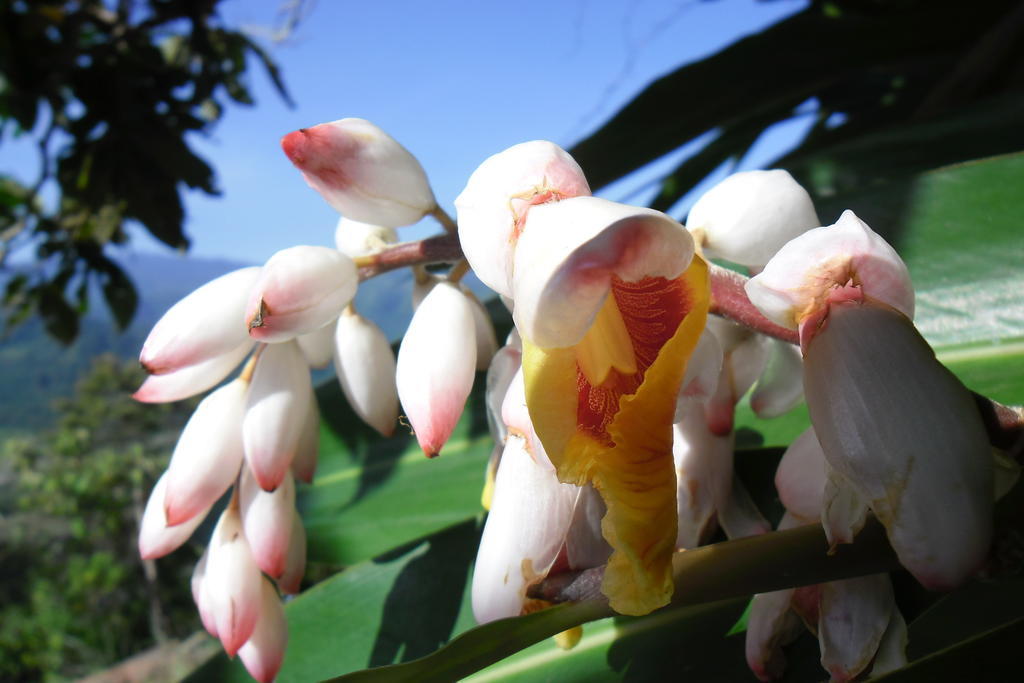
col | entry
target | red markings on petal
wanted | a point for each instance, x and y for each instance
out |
(652, 309)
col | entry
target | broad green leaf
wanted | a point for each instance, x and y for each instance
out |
(371, 494)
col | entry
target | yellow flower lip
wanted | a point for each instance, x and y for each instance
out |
(616, 433)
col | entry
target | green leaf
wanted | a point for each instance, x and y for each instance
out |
(371, 495)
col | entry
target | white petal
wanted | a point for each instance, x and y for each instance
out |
(703, 463)
(355, 239)
(853, 615)
(771, 625)
(747, 217)
(318, 346)
(191, 379)
(201, 595)
(781, 386)
(232, 583)
(365, 366)
(892, 651)
(906, 434)
(702, 372)
(207, 323)
(744, 356)
(208, 455)
(525, 529)
(797, 282)
(504, 367)
(800, 477)
(843, 510)
(516, 415)
(267, 520)
(280, 395)
(436, 365)
(361, 171)
(486, 339)
(299, 290)
(493, 207)
(571, 250)
(263, 653)
(156, 538)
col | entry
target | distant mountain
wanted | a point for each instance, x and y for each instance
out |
(35, 369)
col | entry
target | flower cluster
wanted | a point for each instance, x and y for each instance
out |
(611, 403)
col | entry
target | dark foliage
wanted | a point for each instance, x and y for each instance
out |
(110, 95)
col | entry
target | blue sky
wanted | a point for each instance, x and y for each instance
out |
(454, 81)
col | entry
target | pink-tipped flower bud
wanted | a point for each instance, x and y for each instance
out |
(267, 520)
(299, 290)
(208, 454)
(263, 653)
(191, 379)
(232, 583)
(365, 365)
(201, 594)
(747, 217)
(280, 394)
(493, 207)
(156, 537)
(205, 324)
(361, 171)
(436, 365)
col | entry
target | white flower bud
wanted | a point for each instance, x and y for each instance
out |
(207, 323)
(361, 171)
(493, 207)
(355, 239)
(208, 455)
(280, 394)
(299, 290)
(365, 365)
(437, 365)
(747, 217)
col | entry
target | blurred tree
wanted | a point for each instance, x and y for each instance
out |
(108, 92)
(69, 528)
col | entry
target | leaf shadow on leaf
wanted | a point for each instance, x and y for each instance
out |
(378, 457)
(690, 643)
(422, 607)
